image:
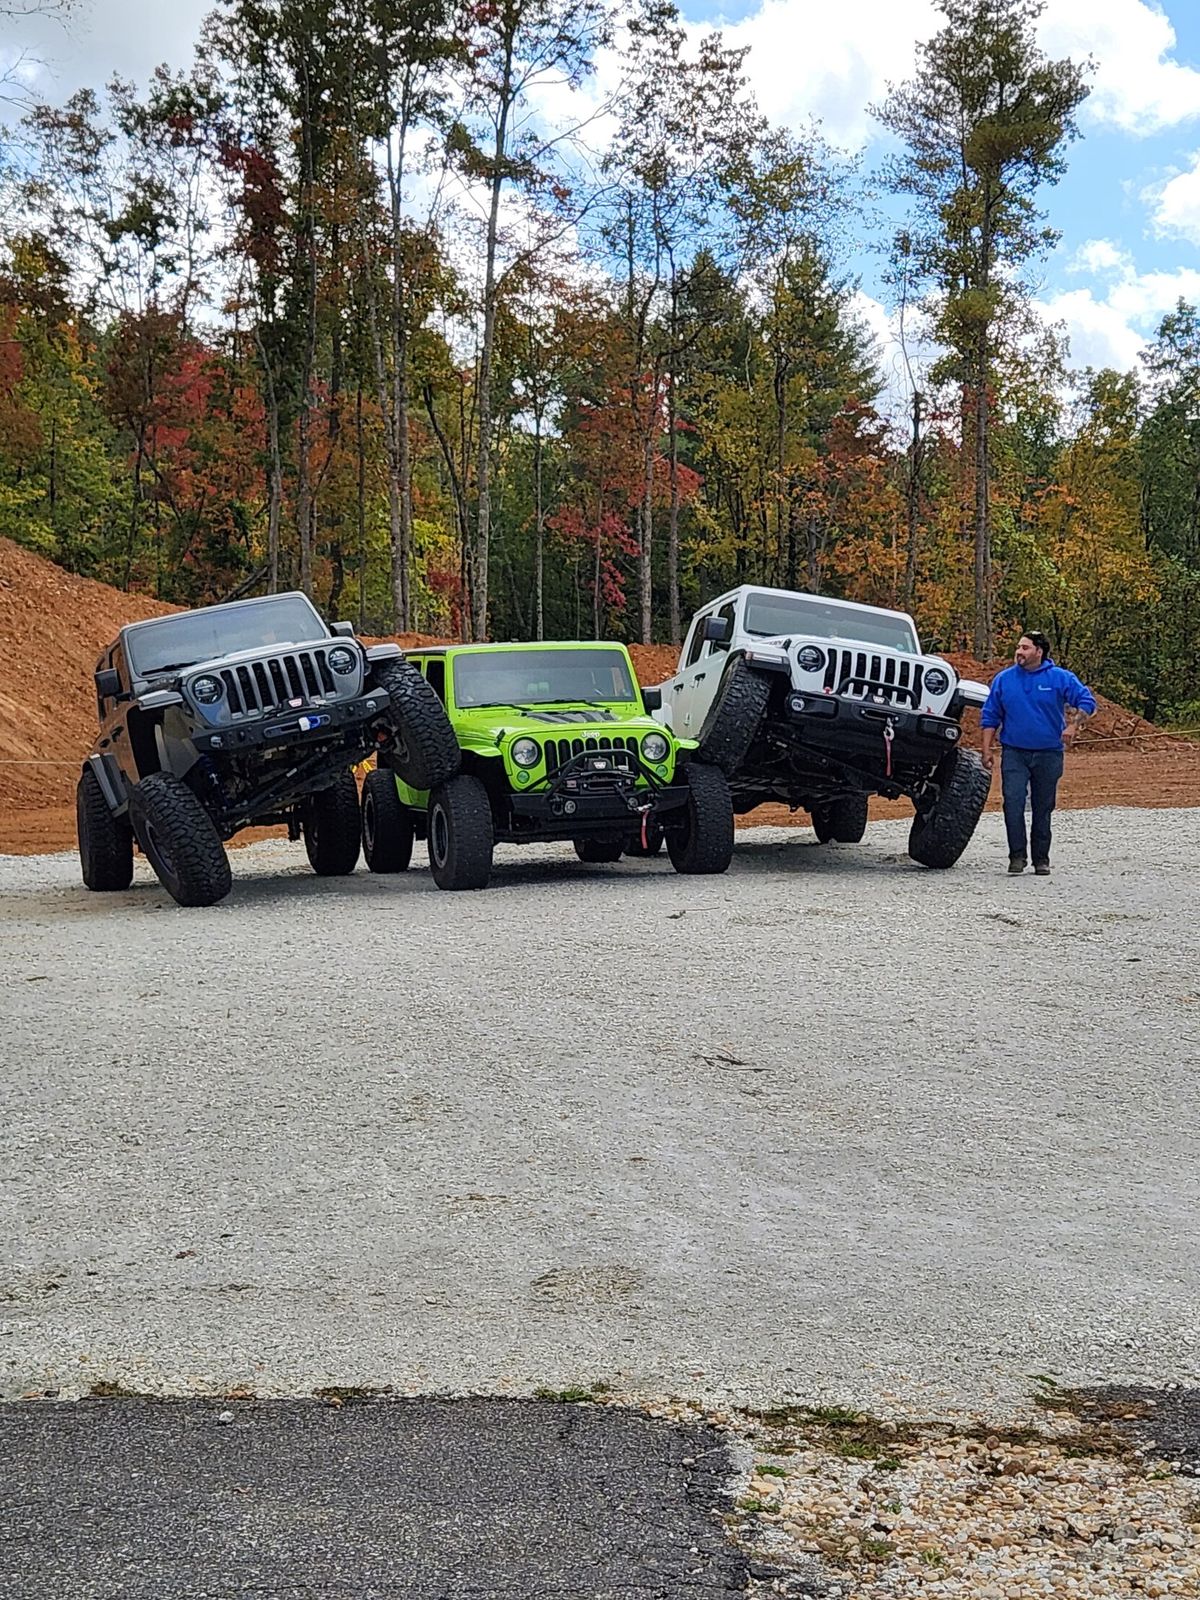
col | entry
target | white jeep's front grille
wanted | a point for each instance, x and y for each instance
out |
(865, 676)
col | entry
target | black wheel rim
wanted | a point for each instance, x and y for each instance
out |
(439, 837)
(154, 847)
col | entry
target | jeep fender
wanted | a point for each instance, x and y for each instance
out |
(383, 652)
(112, 784)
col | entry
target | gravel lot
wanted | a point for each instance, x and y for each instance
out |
(830, 1126)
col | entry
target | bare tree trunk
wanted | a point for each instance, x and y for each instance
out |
(984, 641)
(675, 622)
(539, 524)
(483, 474)
(647, 539)
(362, 508)
(912, 496)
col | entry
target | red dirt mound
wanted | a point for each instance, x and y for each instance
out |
(52, 628)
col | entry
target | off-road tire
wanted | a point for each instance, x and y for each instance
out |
(105, 841)
(387, 824)
(423, 751)
(703, 841)
(461, 835)
(653, 845)
(332, 828)
(179, 840)
(734, 717)
(938, 838)
(598, 850)
(843, 820)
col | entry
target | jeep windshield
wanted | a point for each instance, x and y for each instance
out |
(769, 615)
(178, 642)
(525, 678)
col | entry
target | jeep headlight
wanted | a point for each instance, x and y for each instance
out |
(809, 658)
(937, 680)
(655, 747)
(342, 660)
(526, 752)
(207, 690)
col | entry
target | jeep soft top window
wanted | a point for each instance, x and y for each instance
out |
(769, 615)
(220, 631)
(541, 678)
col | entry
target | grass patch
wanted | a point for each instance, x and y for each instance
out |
(565, 1397)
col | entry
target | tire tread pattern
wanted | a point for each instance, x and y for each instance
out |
(938, 839)
(705, 843)
(105, 841)
(202, 874)
(428, 752)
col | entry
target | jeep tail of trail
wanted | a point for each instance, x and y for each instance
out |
(557, 744)
(820, 704)
(235, 715)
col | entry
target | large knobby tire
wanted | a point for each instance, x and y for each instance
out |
(843, 820)
(105, 841)
(734, 717)
(703, 842)
(940, 836)
(423, 751)
(179, 840)
(387, 824)
(332, 828)
(598, 850)
(461, 836)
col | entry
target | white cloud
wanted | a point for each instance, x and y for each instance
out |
(1175, 203)
(126, 37)
(833, 61)
(1110, 328)
(1138, 86)
(1100, 257)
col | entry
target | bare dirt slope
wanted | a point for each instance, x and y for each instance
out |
(53, 626)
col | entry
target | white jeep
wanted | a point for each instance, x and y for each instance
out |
(820, 704)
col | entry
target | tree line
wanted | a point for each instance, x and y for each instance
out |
(414, 308)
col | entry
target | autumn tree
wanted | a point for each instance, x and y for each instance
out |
(519, 49)
(985, 119)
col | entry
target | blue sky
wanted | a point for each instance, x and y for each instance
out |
(1128, 209)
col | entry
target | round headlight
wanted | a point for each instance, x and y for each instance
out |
(809, 658)
(342, 660)
(655, 747)
(526, 753)
(208, 690)
(937, 681)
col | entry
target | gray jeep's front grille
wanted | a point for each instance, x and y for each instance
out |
(891, 673)
(559, 751)
(256, 687)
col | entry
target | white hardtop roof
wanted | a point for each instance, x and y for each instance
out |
(802, 594)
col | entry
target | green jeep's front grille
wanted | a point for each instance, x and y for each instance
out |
(559, 751)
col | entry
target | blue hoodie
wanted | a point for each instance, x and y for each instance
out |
(1028, 704)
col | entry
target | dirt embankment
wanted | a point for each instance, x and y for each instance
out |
(53, 626)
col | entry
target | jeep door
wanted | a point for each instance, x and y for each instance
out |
(699, 678)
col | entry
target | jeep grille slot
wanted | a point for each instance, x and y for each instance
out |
(886, 672)
(560, 751)
(261, 686)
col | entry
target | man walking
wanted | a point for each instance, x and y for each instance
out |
(1036, 708)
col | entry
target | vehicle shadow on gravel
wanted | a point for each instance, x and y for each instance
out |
(352, 1495)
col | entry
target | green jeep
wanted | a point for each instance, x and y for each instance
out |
(557, 743)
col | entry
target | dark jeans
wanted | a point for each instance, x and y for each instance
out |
(1038, 772)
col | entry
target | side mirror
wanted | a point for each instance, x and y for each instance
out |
(718, 630)
(652, 699)
(108, 683)
(342, 630)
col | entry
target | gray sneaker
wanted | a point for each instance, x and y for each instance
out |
(1016, 864)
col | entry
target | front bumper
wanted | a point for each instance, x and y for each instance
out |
(339, 719)
(593, 793)
(831, 719)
